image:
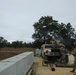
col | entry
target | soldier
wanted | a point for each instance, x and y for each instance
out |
(63, 57)
(74, 53)
(53, 42)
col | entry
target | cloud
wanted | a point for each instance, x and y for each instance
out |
(18, 16)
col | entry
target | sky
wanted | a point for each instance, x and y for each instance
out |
(18, 16)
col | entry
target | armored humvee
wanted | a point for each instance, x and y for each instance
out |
(53, 50)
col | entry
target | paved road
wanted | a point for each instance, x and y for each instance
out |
(46, 70)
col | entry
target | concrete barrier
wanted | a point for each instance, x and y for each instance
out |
(17, 65)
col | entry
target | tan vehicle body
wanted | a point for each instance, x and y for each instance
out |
(53, 49)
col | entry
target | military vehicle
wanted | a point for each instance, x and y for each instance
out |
(56, 50)
(53, 50)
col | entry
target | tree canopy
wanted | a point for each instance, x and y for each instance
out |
(14, 44)
(46, 26)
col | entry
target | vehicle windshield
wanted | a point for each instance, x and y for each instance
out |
(60, 46)
(47, 46)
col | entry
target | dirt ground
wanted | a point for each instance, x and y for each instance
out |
(46, 70)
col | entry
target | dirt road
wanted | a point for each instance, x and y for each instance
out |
(46, 70)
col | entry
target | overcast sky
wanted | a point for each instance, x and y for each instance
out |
(18, 16)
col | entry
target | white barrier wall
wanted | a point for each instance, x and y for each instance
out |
(17, 65)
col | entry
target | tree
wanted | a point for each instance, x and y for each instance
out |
(3, 42)
(66, 30)
(47, 25)
(43, 27)
(17, 44)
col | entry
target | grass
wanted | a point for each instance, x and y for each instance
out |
(9, 52)
(33, 70)
(4, 55)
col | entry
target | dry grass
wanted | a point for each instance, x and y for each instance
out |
(9, 52)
